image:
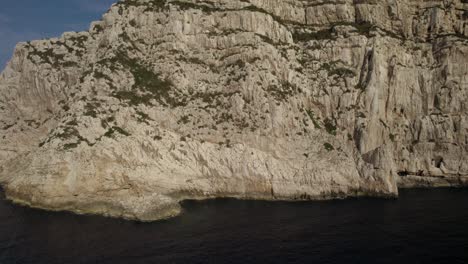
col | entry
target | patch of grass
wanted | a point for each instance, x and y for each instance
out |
(68, 133)
(48, 56)
(148, 85)
(283, 91)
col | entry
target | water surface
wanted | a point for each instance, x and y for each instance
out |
(422, 226)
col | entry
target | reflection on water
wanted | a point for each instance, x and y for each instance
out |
(423, 226)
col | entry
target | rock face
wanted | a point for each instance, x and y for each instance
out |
(258, 99)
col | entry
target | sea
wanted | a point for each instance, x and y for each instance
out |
(421, 226)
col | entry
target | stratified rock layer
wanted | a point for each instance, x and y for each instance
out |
(258, 99)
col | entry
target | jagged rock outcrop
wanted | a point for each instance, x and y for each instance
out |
(259, 99)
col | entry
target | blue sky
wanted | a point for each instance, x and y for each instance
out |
(23, 20)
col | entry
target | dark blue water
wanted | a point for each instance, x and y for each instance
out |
(423, 226)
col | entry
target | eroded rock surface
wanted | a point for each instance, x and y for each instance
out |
(258, 99)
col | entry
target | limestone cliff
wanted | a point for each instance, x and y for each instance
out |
(165, 100)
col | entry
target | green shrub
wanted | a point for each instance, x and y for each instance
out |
(328, 146)
(330, 126)
(312, 117)
(115, 129)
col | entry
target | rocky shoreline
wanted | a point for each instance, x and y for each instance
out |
(166, 100)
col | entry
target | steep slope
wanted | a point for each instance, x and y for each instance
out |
(165, 100)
